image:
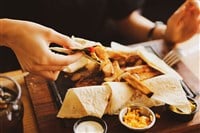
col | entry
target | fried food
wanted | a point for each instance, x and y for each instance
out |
(132, 66)
(134, 82)
(143, 72)
(134, 75)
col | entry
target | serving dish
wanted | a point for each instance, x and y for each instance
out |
(137, 117)
(90, 124)
(179, 115)
(61, 85)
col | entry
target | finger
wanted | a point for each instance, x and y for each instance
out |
(46, 68)
(56, 62)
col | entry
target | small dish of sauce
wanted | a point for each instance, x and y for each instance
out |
(90, 124)
(89, 127)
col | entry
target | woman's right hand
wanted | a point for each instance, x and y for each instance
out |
(30, 42)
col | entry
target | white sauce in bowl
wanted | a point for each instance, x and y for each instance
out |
(89, 127)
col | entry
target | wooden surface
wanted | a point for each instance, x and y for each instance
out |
(29, 119)
(45, 108)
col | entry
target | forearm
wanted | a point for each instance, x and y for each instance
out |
(137, 27)
(7, 30)
(1, 32)
(4, 31)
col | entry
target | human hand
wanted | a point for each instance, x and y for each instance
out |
(184, 23)
(30, 42)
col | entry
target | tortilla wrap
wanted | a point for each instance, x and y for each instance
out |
(76, 65)
(139, 98)
(155, 62)
(168, 89)
(83, 101)
(120, 95)
(83, 43)
(149, 57)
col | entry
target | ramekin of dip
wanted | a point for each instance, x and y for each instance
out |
(90, 124)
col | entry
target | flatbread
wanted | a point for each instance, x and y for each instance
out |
(168, 89)
(76, 65)
(139, 98)
(149, 57)
(83, 43)
(83, 101)
(155, 62)
(121, 94)
(71, 107)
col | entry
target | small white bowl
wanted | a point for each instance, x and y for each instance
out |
(90, 124)
(144, 111)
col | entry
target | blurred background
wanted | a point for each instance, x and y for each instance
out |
(59, 15)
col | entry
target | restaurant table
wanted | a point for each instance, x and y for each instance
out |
(29, 119)
(41, 109)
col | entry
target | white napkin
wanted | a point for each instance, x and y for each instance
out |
(190, 50)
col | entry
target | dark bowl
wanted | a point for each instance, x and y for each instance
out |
(176, 114)
(98, 121)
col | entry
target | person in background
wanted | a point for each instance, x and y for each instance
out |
(181, 16)
(98, 19)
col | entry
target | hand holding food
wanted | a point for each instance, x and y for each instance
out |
(184, 23)
(30, 42)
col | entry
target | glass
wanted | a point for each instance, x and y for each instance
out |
(11, 107)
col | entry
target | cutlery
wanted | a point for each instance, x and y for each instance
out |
(173, 56)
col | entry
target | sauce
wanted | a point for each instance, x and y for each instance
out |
(89, 127)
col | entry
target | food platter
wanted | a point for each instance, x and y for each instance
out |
(63, 83)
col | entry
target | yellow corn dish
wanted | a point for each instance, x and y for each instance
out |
(135, 118)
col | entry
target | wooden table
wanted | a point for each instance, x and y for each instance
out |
(29, 119)
(41, 110)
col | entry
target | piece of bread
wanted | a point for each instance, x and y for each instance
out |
(84, 101)
(168, 89)
(121, 94)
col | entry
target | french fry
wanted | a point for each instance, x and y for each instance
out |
(143, 72)
(133, 81)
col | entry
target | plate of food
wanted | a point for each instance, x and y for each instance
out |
(108, 79)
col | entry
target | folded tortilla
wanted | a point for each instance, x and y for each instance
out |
(84, 101)
(76, 65)
(139, 98)
(155, 62)
(149, 57)
(168, 89)
(121, 94)
(83, 43)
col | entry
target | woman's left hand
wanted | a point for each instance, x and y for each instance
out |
(184, 23)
